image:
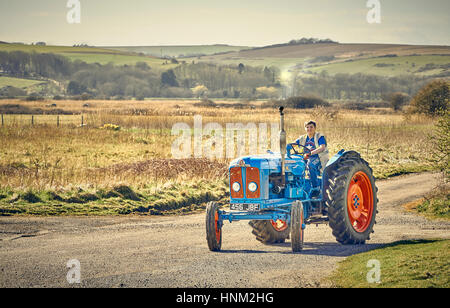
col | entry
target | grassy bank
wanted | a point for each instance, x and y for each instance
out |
(435, 205)
(171, 198)
(404, 264)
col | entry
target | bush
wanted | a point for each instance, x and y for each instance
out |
(34, 97)
(441, 139)
(111, 127)
(397, 100)
(432, 99)
(11, 92)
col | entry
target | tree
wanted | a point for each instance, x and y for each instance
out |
(241, 68)
(397, 100)
(199, 90)
(433, 98)
(168, 78)
(441, 137)
(75, 88)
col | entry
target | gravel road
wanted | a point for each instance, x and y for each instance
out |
(145, 251)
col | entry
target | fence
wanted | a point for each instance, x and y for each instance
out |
(57, 120)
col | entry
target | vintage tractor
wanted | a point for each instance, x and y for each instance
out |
(274, 192)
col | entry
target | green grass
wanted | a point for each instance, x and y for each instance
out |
(116, 59)
(404, 264)
(18, 82)
(384, 172)
(395, 66)
(436, 206)
(121, 199)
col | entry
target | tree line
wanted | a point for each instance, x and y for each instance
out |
(193, 80)
(139, 80)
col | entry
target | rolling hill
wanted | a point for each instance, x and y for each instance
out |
(380, 59)
(179, 51)
(88, 54)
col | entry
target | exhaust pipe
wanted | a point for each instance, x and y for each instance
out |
(282, 147)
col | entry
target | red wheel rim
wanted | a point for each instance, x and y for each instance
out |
(360, 201)
(216, 225)
(279, 225)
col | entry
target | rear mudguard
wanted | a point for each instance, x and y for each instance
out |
(331, 166)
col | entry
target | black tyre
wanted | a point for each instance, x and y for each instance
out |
(270, 232)
(213, 227)
(297, 226)
(351, 200)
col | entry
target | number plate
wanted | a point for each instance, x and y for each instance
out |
(244, 206)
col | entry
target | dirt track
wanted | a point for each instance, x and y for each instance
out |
(172, 251)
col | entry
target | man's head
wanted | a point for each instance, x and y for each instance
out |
(310, 128)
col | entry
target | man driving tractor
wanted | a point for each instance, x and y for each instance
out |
(318, 155)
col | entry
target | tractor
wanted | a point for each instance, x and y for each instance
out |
(273, 191)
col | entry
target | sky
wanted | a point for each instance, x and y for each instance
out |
(233, 22)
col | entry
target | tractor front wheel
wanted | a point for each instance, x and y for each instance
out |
(297, 222)
(213, 227)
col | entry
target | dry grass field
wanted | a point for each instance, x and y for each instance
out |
(120, 160)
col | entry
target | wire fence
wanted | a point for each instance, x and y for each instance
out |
(16, 120)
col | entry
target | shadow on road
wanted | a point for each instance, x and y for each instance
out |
(314, 248)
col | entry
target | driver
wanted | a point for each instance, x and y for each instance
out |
(318, 156)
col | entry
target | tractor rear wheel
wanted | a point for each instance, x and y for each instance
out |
(351, 200)
(297, 222)
(213, 227)
(269, 231)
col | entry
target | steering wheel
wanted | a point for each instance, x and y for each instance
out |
(305, 149)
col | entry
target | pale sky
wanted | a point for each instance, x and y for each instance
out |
(233, 22)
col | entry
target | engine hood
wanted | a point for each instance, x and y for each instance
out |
(269, 161)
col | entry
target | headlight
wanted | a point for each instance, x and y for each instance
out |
(236, 186)
(252, 187)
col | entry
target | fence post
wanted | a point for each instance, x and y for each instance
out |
(2, 119)
(32, 120)
(82, 120)
(57, 121)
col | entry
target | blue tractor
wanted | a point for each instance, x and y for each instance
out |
(273, 191)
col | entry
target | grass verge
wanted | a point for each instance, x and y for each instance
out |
(435, 205)
(403, 264)
(172, 198)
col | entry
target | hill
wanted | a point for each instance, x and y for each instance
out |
(180, 51)
(344, 58)
(88, 54)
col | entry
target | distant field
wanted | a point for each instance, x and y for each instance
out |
(88, 54)
(55, 49)
(339, 51)
(179, 51)
(17, 82)
(281, 63)
(387, 66)
(117, 59)
(365, 56)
